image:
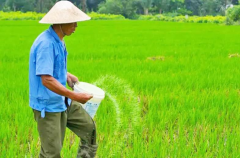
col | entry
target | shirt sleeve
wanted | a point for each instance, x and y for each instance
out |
(45, 59)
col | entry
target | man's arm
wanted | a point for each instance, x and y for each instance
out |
(52, 84)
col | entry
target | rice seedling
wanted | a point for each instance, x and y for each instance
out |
(183, 104)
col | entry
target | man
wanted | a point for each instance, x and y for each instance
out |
(48, 93)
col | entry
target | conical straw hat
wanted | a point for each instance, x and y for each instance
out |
(64, 12)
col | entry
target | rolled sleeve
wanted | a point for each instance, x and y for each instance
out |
(45, 59)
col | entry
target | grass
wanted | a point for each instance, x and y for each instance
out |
(175, 88)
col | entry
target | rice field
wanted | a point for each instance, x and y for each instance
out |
(172, 89)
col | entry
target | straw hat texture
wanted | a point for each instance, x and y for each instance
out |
(64, 12)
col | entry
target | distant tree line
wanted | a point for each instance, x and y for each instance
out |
(128, 8)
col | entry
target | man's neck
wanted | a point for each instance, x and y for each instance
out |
(57, 29)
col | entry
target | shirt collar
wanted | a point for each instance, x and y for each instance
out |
(54, 34)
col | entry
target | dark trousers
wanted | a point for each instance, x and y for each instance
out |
(52, 129)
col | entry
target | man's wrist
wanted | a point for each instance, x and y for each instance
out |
(70, 94)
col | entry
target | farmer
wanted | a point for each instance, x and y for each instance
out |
(48, 76)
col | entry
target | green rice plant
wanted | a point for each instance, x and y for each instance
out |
(186, 105)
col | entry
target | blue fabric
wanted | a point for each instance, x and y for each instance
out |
(48, 56)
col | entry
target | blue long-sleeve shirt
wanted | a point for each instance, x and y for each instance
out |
(48, 56)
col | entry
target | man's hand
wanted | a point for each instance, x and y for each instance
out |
(71, 79)
(79, 97)
(82, 97)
